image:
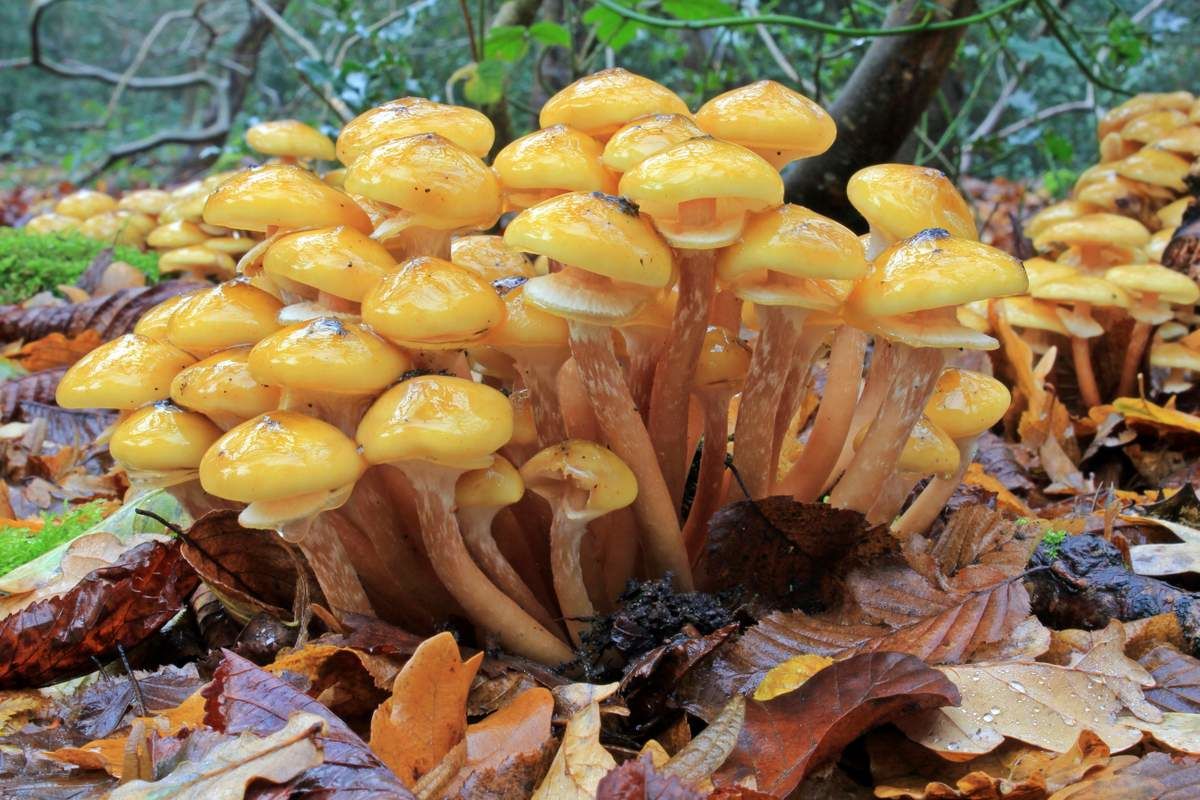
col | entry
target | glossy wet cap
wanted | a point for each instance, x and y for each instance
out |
(434, 182)
(444, 420)
(328, 355)
(128, 372)
(1118, 116)
(229, 314)
(779, 124)
(162, 436)
(154, 324)
(600, 103)
(1029, 313)
(967, 403)
(278, 455)
(928, 451)
(496, 486)
(526, 326)
(1153, 125)
(1155, 167)
(1090, 289)
(724, 360)
(646, 136)
(577, 464)
(489, 257)
(282, 196)
(176, 234)
(1166, 284)
(902, 200)
(1057, 212)
(222, 387)
(409, 116)
(339, 261)
(1095, 229)
(289, 137)
(551, 161)
(433, 304)
(197, 259)
(144, 201)
(85, 203)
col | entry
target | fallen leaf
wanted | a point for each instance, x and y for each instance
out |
(56, 350)
(38, 387)
(581, 762)
(1178, 731)
(100, 708)
(1176, 679)
(1102, 653)
(790, 675)
(1141, 410)
(697, 760)
(650, 681)
(977, 476)
(1165, 559)
(110, 316)
(785, 739)
(637, 779)
(427, 713)
(1157, 776)
(229, 768)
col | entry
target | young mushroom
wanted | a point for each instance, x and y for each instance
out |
(172, 235)
(1153, 290)
(155, 323)
(1077, 295)
(928, 451)
(231, 314)
(489, 258)
(409, 116)
(901, 200)
(123, 374)
(85, 203)
(197, 262)
(646, 136)
(221, 388)
(772, 120)
(335, 267)
(582, 481)
(1095, 241)
(601, 103)
(433, 429)
(290, 140)
(548, 162)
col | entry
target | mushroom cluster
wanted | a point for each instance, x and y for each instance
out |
(1101, 251)
(385, 376)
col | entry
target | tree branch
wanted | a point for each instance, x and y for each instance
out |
(326, 92)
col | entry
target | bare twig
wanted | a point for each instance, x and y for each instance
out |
(325, 92)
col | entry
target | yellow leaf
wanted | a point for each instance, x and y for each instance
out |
(1135, 408)
(580, 762)
(977, 476)
(790, 675)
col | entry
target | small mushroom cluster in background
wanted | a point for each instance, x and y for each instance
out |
(446, 421)
(1101, 252)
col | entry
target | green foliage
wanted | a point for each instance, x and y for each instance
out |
(30, 263)
(21, 545)
(1052, 543)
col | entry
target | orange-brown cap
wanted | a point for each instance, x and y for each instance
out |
(433, 304)
(1118, 116)
(289, 137)
(281, 196)
(489, 257)
(155, 322)
(444, 420)
(1155, 167)
(1055, 213)
(1153, 125)
(646, 136)
(433, 182)
(966, 403)
(144, 201)
(928, 451)
(339, 261)
(1086, 290)
(222, 388)
(577, 465)
(495, 486)
(226, 315)
(328, 355)
(779, 124)
(124, 374)
(1155, 288)
(600, 103)
(724, 360)
(551, 161)
(525, 326)
(408, 116)
(1026, 312)
(729, 179)
(162, 437)
(901, 200)
(1185, 141)
(85, 203)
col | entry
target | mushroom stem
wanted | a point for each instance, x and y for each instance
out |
(566, 536)
(645, 352)
(1139, 338)
(910, 382)
(416, 241)
(726, 310)
(874, 390)
(933, 498)
(712, 470)
(677, 367)
(483, 602)
(626, 435)
(617, 531)
(339, 304)
(892, 496)
(538, 375)
(476, 527)
(578, 417)
(832, 423)
(755, 428)
(794, 391)
(318, 539)
(343, 411)
(1081, 355)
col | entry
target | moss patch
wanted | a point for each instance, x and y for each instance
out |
(30, 262)
(20, 545)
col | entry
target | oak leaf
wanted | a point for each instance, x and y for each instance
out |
(56, 350)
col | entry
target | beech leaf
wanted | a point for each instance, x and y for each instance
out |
(637, 779)
(581, 762)
(110, 316)
(790, 675)
(1176, 679)
(697, 760)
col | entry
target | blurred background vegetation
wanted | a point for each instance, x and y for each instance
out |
(153, 91)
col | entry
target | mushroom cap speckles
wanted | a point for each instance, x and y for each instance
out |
(229, 314)
(557, 158)
(792, 240)
(902, 200)
(779, 124)
(222, 386)
(327, 355)
(124, 374)
(586, 466)
(433, 304)
(967, 403)
(646, 136)
(281, 196)
(600, 103)
(162, 436)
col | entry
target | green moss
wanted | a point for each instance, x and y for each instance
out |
(20, 545)
(30, 262)
(1052, 543)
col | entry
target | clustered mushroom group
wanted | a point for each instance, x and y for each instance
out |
(448, 421)
(1101, 251)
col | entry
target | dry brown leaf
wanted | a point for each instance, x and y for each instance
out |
(695, 763)
(1102, 653)
(426, 715)
(56, 350)
(1176, 679)
(1178, 731)
(581, 762)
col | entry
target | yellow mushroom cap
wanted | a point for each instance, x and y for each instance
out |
(902, 200)
(1090, 289)
(448, 421)
(180, 233)
(52, 222)
(290, 137)
(496, 486)
(409, 116)
(117, 227)
(437, 183)
(526, 326)
(793, 241)
(340, 261)
(282, 196)
(1026, 312)
(155, 322)
(327, 355)
(226, 315)
(85, 203)
(966, 403)
(600, 103)
(433, 304)
(1184, 140)
(1042, 270)
(230, 245)
(583, 466)
(1095, 229)
(1055, 213)
(278, 455)
(724, 359)
(162, 436)
(558, 159)
(928, 451)
(705, 169)
(598, 233)
(196, 259)
(1118, 116)
(221, 386)
(1174, 355)
(128, 372)
(772, 120)
(1171, 215)
(489, 257)
(646, 136)
(1166, 284)
(1112, 193)
(1153, 125)
(1155, 167)
(1158, 244)
(144, 201)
